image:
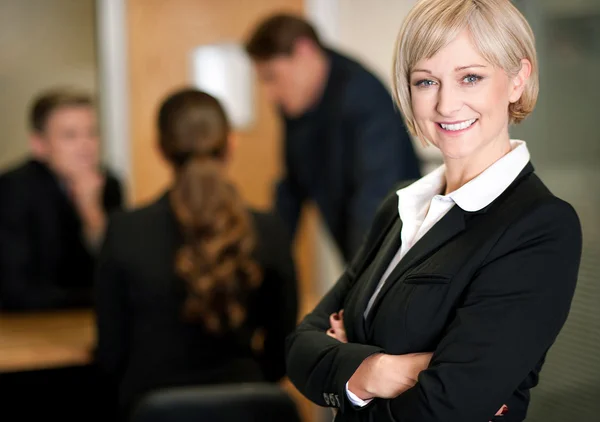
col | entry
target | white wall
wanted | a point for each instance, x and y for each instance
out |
(324, 15)
(43, 43)
(113, 86)
(368, 30)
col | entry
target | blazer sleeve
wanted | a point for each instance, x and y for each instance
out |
(20, 285)
(318, 365)
(110, 298)
(511, 314)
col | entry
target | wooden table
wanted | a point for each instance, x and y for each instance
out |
(46, 340)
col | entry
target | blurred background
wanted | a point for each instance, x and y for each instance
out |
(131, 53)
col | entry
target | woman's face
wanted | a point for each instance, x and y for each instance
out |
(460, 101)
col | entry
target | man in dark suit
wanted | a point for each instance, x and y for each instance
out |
(53, 208)
(345, 144)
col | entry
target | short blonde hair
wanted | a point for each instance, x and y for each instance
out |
(498, 30)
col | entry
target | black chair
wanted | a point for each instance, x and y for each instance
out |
(218, 403)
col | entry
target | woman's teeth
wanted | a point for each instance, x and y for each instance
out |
(458, 126)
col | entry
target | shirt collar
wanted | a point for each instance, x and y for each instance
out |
(489, 185)
(414, 199)
(472, 196)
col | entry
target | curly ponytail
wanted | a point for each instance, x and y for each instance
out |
(215, 259)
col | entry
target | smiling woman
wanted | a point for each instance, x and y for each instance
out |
(467, 275)
(479, 25)
(461, 108)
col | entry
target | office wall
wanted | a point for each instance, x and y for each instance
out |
(372, 40)
(43, 43)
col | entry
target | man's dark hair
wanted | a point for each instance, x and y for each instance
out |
(49, 101)
(277, 35)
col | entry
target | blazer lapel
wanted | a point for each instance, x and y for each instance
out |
(381, 253)
(389, 248)
(449, 226)
(452, 224)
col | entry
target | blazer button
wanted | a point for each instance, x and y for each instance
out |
(332, 398)
(326, 397)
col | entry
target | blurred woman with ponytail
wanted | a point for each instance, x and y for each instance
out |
(194, 288)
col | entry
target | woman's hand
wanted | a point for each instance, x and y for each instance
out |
(86, 188)
(387, 376)
(337, 330)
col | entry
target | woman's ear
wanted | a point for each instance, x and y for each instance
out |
(519, 81)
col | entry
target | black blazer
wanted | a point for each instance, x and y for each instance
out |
(487, 291)
(143, 342)
(44, 262)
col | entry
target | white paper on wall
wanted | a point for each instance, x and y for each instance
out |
(225, 71)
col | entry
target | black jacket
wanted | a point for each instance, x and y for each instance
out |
(487, 291)
(143, 341)
(44, 262)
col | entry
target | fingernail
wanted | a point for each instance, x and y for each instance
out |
(336, 316)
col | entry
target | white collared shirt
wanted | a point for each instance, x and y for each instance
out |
(421, 205)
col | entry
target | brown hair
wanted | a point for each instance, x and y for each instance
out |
(48, 102)
(277, 35)
(215, 259)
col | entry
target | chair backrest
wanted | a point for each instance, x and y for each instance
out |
(218, 403)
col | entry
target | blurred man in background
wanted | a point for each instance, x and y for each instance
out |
(345, 144)
(53, 208)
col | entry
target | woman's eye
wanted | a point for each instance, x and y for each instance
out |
(472, 79)
(425, 83)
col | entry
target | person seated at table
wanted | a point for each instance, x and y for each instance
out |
(188, 284)
(54, 208)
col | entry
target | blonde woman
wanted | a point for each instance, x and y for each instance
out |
(476, 261)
